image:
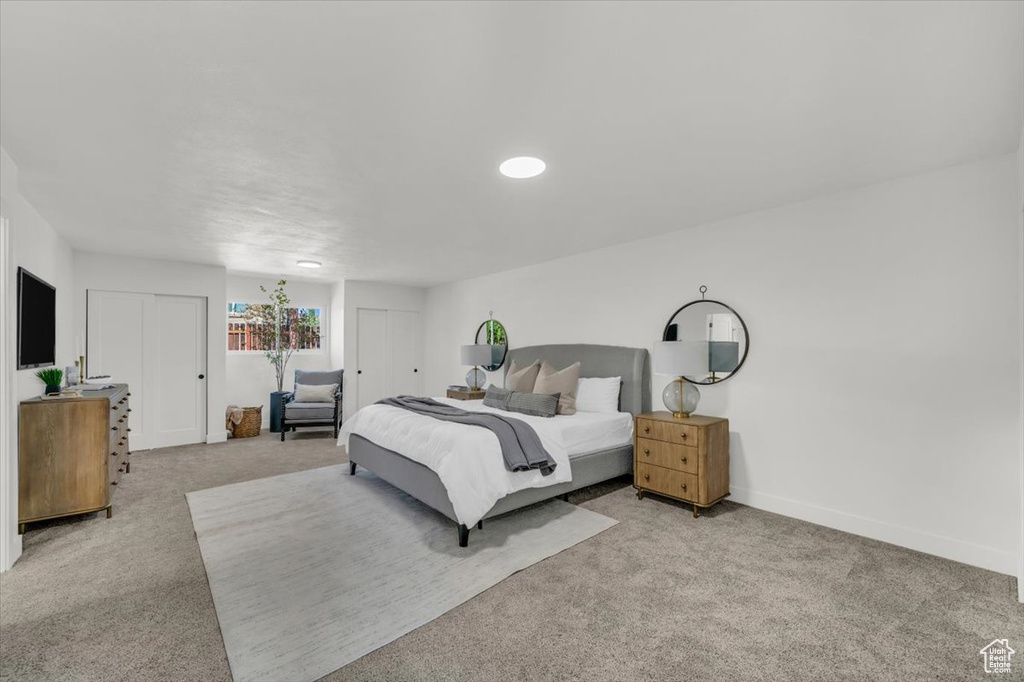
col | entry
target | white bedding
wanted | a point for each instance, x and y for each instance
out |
(468, 459)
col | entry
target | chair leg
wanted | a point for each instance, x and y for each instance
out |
(351, 468)
(480, 524)
(463, 535)
(283, 429)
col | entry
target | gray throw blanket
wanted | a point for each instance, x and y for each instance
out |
(520, 445)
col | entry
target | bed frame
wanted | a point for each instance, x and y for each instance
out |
(632, 364)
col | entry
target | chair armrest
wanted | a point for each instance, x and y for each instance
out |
(287, 397)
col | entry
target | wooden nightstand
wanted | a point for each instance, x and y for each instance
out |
(686, 459)
(465, 394)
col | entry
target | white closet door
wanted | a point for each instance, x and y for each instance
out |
(406, 352)
(371, 356)
(120, 342)
(180, 391)
(156, 345)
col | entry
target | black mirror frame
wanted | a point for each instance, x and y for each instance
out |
(746, 332)
(492, 368)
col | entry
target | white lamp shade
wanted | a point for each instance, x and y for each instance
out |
(681, 358)
(476, 354)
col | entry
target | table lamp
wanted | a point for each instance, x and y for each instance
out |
(476, 354)
(679, 359)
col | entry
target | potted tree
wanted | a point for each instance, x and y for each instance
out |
(279, 330)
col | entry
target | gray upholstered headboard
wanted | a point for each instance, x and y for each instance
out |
(632, 364)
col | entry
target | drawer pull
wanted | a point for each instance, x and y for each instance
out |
(647, 477)
(128, 393)
(684, 459)
(114, 407)
(128, 410)
(647, 429)
(684, 486)
(683, 436)
(113, 428)
(113, 483)
(646, 451)
(113, 454)
(128, 429)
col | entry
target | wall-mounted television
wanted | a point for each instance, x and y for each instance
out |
(37, 321)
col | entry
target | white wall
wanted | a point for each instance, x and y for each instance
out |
(337, 322)
(34, 246)
(869, 401)
(126, 273)
(250, 376)
(358, 294)
(1020, 341)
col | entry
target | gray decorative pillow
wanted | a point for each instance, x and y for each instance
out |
(497, 397)
(536, 404)
(320, 393)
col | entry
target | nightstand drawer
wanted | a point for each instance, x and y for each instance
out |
(668, 455)
(666, 481)
(684, 434)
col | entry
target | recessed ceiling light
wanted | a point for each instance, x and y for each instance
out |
(522, 167)
(308, 263)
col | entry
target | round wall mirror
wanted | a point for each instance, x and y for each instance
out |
(492, 333)
(721, 328)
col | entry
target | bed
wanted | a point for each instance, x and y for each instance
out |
(611, 456)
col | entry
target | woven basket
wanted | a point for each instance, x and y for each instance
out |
(252, 421)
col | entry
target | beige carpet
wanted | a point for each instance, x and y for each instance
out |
(736, 594)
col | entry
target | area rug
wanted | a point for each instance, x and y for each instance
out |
(312, 570)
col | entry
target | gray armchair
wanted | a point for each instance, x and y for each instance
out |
(295, 414)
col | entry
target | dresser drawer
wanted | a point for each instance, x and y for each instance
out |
(666, 481)
(668, 455)
(684, 434)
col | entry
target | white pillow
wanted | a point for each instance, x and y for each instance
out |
(598, 395)
(313, 393)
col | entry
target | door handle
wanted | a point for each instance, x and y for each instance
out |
(202, 376)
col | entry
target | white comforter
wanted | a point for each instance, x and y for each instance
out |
(466, 458)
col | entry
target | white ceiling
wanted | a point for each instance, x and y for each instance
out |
(368, 135)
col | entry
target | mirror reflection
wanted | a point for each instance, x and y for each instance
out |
(720, 327)
(492, 333)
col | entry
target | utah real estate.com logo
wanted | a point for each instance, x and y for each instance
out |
(997, 656)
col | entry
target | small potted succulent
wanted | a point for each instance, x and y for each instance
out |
(52, 377)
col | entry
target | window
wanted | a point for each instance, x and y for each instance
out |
(251, 327)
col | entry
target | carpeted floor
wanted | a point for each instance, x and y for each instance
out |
(737, 594)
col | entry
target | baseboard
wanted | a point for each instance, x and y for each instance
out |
(219, 437)
(945, 547)
(11, 551)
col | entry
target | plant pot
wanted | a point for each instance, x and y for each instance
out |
(276, 411)
(51, 389)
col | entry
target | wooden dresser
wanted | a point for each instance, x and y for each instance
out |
(686, 459)
(71, 453)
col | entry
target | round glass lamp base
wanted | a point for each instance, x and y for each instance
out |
(475, 378)
(681, 398)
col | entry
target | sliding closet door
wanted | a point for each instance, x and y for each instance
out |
(371, 356)
(120, 342)
(405, 350)
(156, 345)
(180, 392)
